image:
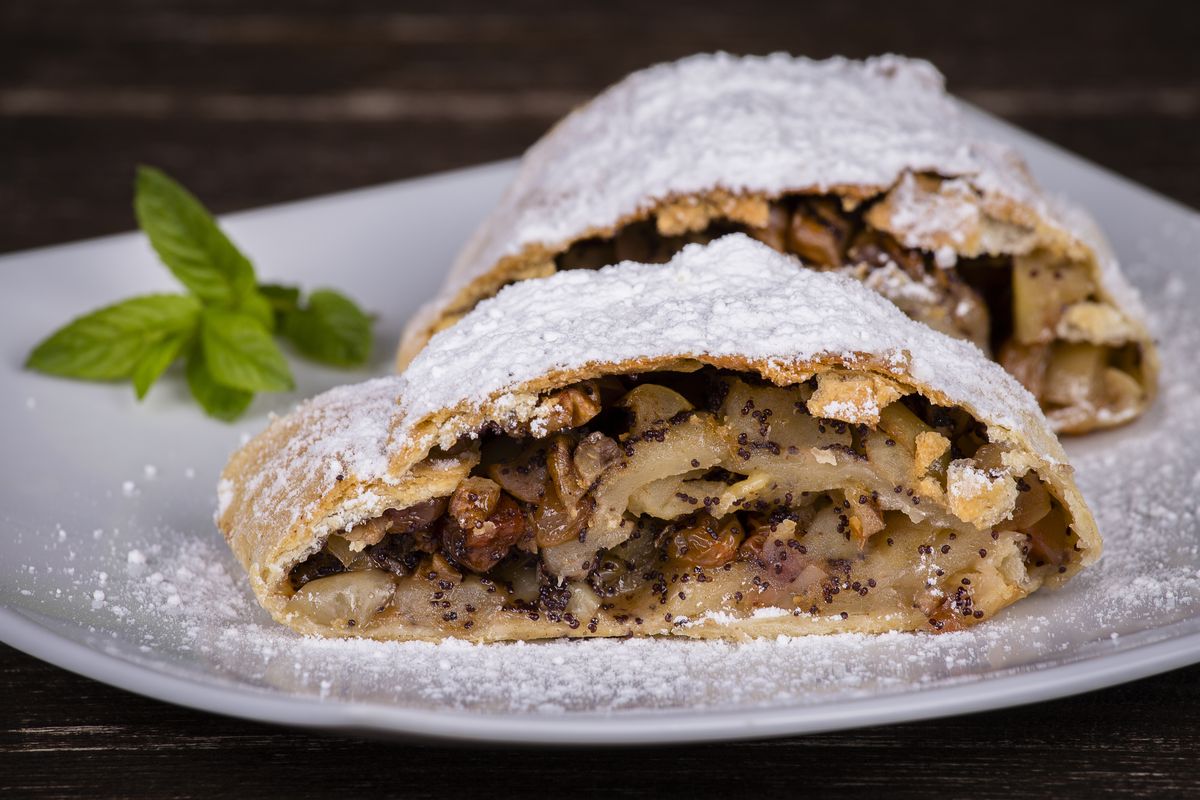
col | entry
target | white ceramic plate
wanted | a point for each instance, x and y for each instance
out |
(110, 565)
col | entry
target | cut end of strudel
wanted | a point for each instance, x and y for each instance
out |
(865, 168)
(722, 446)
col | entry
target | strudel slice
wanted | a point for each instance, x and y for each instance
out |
(861, 167)
(721, 446)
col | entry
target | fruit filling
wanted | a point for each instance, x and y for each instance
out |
(643, 503)
(1043, 319)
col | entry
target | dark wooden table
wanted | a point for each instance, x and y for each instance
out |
(257, 101)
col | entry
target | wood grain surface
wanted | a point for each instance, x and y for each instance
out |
(251, 102)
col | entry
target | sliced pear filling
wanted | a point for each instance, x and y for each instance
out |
(658, 499)
(1027, 309)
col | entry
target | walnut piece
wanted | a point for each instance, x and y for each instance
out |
(567, 408)
(482, 526)
(819, 233)
(854, 397)
(931, 446)
(979, 497)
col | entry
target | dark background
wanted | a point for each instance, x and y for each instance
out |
(250, 102)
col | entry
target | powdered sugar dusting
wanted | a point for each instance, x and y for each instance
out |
(345, 433)
(921, 216)
(966, 480)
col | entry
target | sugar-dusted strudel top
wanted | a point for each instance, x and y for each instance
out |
(722, 446)
(862, 167)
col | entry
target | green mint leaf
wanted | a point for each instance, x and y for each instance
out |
(254, 304)
(188, 241)
(109, 343)
(154, 362)
(217, 401)
(240, 353)
(330, 329)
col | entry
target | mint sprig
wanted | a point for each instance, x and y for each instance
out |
(224, 327)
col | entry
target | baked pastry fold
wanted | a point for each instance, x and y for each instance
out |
(861, 167)
(722, 446)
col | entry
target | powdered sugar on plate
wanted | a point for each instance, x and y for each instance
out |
(177, 600)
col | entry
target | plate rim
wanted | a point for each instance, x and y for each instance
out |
(987, 693)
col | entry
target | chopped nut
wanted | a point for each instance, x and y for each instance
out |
(818, 233)
(866, 519)
(561, 467)
(474, 501)
(855, 397)
(774, 233)
(931, 446)
(977, 497)
(483, 525)
(569, 408)
(595, 454)
(877, 249)
(524, 477)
